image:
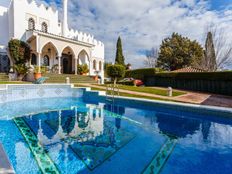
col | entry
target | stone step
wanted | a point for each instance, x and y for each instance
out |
(61, 78)
(4, 77)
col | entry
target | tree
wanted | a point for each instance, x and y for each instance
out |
(209, 61)
(151, 58)
(128, 66)
(177, 52)
(119, 53)
(20, 54)
(106, 64)
(116, 72)
(222, 49)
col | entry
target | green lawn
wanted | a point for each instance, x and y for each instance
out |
(126, 94)
(149, 90)
(13, 82)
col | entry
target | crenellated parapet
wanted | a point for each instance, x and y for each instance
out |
(41, 6)
(84, 37)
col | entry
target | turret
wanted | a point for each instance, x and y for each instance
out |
(65, 18)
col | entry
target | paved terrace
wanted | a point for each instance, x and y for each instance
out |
(189, 97)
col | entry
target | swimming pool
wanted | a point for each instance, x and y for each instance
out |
(59, 129)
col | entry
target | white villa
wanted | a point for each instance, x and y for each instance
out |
(52, 42)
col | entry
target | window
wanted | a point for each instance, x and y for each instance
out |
(46, 60)
(100, 66)
(44, 27)
(94, 64)
(31, 24)
(33, 59)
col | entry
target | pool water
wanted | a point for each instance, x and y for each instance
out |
(70, 136)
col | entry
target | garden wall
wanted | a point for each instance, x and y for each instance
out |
(211, 82)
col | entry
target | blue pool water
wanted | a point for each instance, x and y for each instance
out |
(84, 137)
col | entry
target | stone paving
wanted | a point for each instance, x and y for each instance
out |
(189, 97)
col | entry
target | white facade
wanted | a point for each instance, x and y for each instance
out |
(52, 42)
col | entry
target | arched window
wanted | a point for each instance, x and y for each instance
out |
(46, 60)
(44, 27)
(94, 64)
(31, 24)
(33, 59)
(100, 65)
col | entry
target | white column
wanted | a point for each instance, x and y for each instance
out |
(59, 64)
(39, 62)
(75, 65)
(65, 18)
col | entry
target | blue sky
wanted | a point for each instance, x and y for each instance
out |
(143, 24)
(220, 4)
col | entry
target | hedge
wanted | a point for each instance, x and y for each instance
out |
(227, 75)
(211, 82)
(141, 73)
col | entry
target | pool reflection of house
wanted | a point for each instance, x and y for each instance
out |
(82, 127)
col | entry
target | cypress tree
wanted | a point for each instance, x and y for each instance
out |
(119, 53)
(210, 55)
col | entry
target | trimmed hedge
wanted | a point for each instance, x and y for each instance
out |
(212, 82)
(227, 75)
(141, 73)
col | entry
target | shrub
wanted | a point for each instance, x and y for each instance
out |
(20, 51)
(116, 72)
(141, 73)
(21, 69)
(43, 69)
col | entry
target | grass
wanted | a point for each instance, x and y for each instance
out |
(125, 94)
(13, 82)
(149, 90)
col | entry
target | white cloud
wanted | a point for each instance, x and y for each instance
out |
(143, 24)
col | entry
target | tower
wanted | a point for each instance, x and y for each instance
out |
(65, 18)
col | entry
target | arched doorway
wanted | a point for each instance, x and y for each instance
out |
(49, 56)
(66, 69)
(83, 58)
(67, 60)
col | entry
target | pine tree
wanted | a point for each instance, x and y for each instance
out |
(209, 62)
(119, 53)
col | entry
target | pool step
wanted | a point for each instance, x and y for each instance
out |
(161, 157)
(5, 165)
(44, 162)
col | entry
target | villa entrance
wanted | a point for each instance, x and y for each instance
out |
(67, 64)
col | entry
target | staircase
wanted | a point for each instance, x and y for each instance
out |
(4, 77)
(61, 78)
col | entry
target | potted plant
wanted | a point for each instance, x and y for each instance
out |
(83, 69)
(96, 76)
(37, 72)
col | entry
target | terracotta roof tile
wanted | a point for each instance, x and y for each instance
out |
(189, 69)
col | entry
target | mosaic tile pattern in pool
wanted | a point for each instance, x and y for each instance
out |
(45, 164)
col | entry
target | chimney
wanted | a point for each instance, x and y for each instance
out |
(65, 18)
